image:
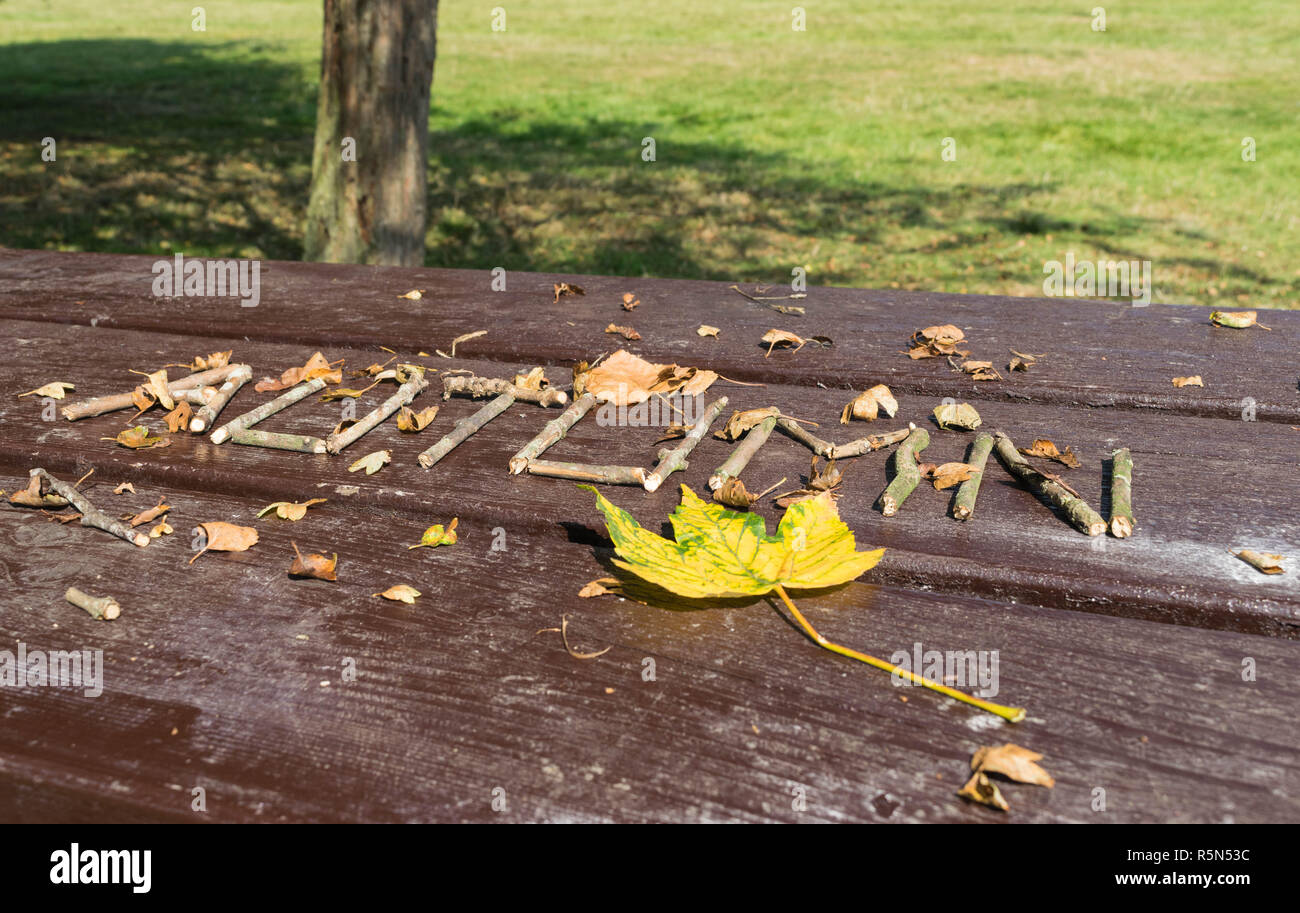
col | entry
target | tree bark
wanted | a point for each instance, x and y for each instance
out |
(376, 74)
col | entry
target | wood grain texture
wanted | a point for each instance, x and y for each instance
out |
(1128, 654)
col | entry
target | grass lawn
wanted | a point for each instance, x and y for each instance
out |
(774, 148)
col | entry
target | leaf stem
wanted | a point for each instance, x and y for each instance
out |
(1011, 714)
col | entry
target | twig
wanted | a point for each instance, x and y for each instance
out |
(970, 489)
(466, 427)
(99, 607)
(735, 464)
(112, 403)
(1121, 494)
(405, 393)
(906, 474)
(818, 446)
(299, 443)
(90, 515)
(268, 409)
(479, 387)
(1081, 516)
(868, 444)
(587, 472)
(208, 414)
(555, 429)
(671, 461)
(199, 396)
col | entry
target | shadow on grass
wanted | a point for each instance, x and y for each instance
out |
(205, 147)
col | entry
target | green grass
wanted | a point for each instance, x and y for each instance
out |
(775, 149)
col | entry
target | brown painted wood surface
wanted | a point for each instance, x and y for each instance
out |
(1127, 654)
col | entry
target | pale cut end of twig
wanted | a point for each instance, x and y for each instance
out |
(197, 425)
(517, 465)
(1121, 527)
(141, 540)
(219, 436)
(653, 481)
(1096, 529)
(424, 460)
(888, 506)
(961, 512)
(716, 481)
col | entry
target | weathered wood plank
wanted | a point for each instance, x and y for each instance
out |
(1203, 486)
(209, 682)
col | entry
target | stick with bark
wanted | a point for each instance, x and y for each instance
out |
(906, 474)
(555, 429)
(199, 396)
(868, 444)
(1081, 516)
(298, 443)
(1121, 494)
(793, 429)
(970, 489)
(466, 427)
(405, 393)
(112, 403)
(587, 472)
(478, 387)
(266, 410)
(755, 438)
(90, 515)
(208, 414)
(671, 461)
(99, 607)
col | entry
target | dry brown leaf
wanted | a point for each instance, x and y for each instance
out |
(564, 636)
(315, 367)
(156, 387)
(533, 380)
(464, 337)
(957, 415)
(290, 510)
(630, 301)
(950, 474)
(226, 537)
(1237, 320)
(179, 418)
(124, 487)
(36, 494)
(1045, 449)
(414, 294)
(205, 362)
(672, 432)
(372, 462)
(626, 332)
(400, 593)
(979, 788)
(820, 479)
(566, 288)
(1193, 381)
(437, 535)
(740, 422)
(317, 566)
(980, 370)
(410, 421)
(705, 330)
(867, 405)
(55, 390)
(625, 380)
(138, 438)
(1013, 762)
(936, 341)
(149, 515)
(141, 400)
(775, 338)
(1264, 563)
(162, 529)
(602, 586)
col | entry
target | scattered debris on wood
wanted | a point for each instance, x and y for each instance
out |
(868, 405)
(630, 301)
(400, 593)
(1264, 563)
(957, 415)
(317, 566)
(437, 535)
(936, 342)
(220, 536)
(626, 332)
(566, 288)
(705, 330)
(1237, 320)
(55, 390)
(290, 510)
(372, 462)
(1044, 448)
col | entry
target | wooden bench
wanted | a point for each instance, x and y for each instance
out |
(1128, 654)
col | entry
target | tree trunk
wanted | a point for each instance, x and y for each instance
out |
(369, 181)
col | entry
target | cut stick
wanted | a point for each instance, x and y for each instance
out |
(466, 427)
(99, 607)
(225, 393)
(199, 396)
(970, 489)
(555, 429)
(299, 443)
(793, 429)
(1121, 494)
(869, 444)
(90, 515)
(671, 461)
(735, 464)
(114, 402)
(1081, 516)
(478, 387)
(268, 409)
(906, 474)
(405, 393)
(587, 472)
